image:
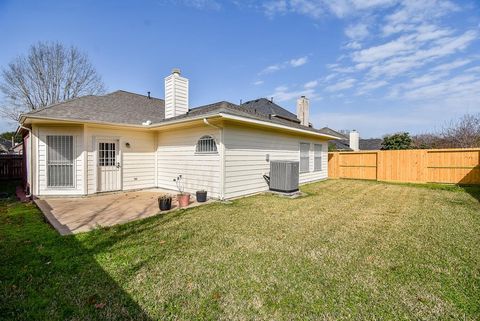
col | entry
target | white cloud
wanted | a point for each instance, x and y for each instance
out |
(473, 69)
(320, 8)
(311, 84)
(357, 32)
(201, 4)
(463, 86)
(258, 82)
(299, 61)
(369, 86)
(292, 63)
(282, 94)
(341, 85)
(452, 65)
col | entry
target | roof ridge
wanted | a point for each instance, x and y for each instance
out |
(132, 93)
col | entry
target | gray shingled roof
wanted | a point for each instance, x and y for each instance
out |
(129, 108)
(118, 107)
(363, 144)
(267, 107)
(5, 145)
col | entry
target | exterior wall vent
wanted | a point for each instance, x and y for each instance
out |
(284, 176)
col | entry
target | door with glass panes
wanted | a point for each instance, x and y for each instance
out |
(108, 173)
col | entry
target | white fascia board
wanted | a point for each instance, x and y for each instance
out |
(269, 124)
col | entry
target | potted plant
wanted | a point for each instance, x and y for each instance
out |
(165, 202)
(201, 196)
(182, 197)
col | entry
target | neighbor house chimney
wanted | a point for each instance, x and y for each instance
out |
(303, 106)
(176, 94)
(354, 140)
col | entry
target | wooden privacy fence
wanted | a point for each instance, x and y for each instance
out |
(11, 166)
(457, 166)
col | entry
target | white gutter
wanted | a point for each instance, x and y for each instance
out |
(30, 146)
(222, 158)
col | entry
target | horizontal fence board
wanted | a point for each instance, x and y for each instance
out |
(455, 166)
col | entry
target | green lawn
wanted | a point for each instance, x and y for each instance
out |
(349, 250)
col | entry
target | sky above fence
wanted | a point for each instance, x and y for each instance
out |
(378, 66)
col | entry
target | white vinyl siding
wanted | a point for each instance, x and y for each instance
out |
(304, 157)
(177, 155)
(137, 160)
(60, 162)
(317, 157)
(246, 151)
(52, 173)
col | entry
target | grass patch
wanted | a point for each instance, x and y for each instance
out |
(350, 250)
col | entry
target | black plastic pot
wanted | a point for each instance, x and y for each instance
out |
(201, 196)
(165, 203)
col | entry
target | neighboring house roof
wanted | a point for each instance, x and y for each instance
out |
(334, 133)
(343, 144)
(268, 107)
(363, 144)
(370, 144)
(5, 145)
(122, 107)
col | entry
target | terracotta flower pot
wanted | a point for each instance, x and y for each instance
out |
(183, 199)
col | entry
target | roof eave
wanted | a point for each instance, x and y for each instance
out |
(190, 119)
(274, 125)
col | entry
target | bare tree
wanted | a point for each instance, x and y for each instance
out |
(48, 74)
(463, 133)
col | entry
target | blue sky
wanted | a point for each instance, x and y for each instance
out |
(378, 66)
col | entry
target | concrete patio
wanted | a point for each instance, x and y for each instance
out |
(82, 214)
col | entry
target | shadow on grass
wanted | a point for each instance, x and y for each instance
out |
(473, 190)
(44, 276)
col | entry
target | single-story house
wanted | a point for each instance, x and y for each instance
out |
(124, 141)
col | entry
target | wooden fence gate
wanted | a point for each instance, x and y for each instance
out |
(457, 166)
(11, 166)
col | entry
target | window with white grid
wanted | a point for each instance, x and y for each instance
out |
(60, 161)
(206, 145)
(317, 160)
(107, 154)
(304, 157)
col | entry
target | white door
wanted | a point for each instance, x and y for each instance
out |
(108, 172)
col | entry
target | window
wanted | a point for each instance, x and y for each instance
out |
(206, 145)
(106, 154)
(60, 161)
(304, 157)
(317, 160)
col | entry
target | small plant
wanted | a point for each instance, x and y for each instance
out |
(180, 186)
(182, 197)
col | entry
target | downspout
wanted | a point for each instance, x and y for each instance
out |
(222, 158)
(30, 146)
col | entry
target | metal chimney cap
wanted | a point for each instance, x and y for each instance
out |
(176, 71)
